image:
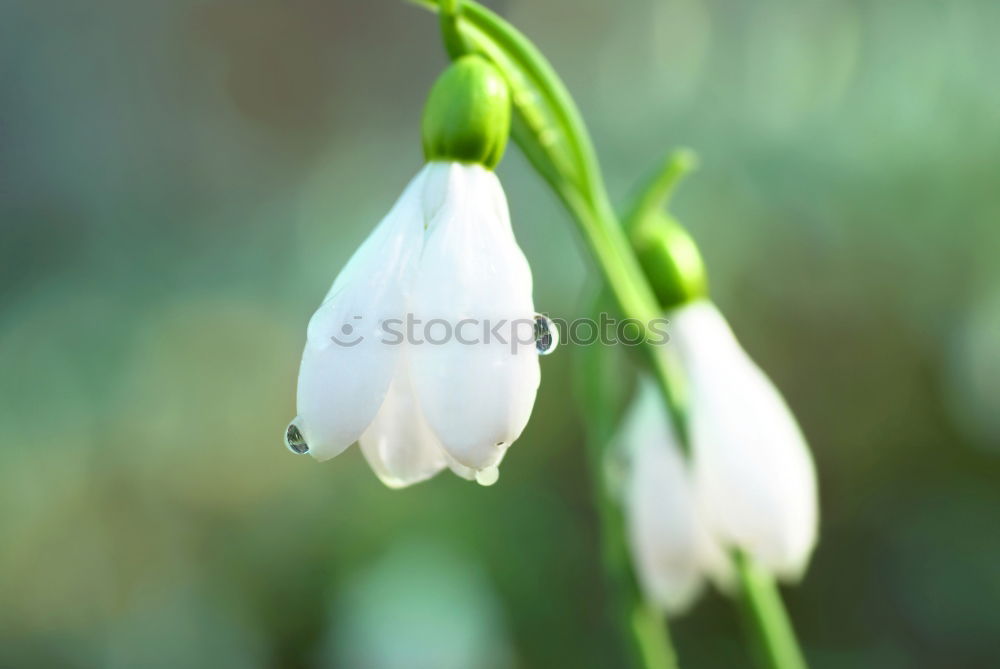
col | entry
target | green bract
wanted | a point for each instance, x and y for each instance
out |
(467, 116)
(546, 123)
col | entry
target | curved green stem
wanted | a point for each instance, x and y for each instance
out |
(634, 298)
(454, 43)
(766, 618)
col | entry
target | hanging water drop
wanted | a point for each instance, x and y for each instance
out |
(294, 440)
(546, 334)
(487, 476)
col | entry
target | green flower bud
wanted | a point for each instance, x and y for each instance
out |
(670, 260)
(467, 116)
(668, 255)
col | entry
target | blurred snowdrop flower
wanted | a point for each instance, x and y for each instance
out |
(754, 477)
(456, 396)
(749, 484)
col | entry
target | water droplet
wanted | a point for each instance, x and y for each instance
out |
(546, 334)
(294, 440)
(487, 476)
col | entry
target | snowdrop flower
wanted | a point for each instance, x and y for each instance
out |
(748, 482)
(449, 392)
(754, 477)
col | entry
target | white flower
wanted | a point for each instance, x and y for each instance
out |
(419, 404)
(669, 543)
(750, 483)
(754, 476)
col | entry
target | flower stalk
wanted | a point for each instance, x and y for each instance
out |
(765, 617)
(641, 625)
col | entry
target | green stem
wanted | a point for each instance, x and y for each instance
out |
(641, 625)
(644, 627)
(454, 43)
(767, 620)
(635, 300)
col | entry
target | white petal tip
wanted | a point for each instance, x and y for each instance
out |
(323, 455)
(793, 573)
(487, 476)
(394, 484)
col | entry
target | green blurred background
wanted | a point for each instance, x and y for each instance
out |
(180, 181)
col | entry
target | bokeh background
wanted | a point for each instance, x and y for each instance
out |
(180, 181)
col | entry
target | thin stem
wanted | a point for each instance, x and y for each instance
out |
(642, 626)
(454, 43)
(635, 300)
(767, 620)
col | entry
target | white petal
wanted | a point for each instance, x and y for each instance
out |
(476, 396)
(348, 360)
(399, 445)
(667, 540)
(467, 473)
(754, 474)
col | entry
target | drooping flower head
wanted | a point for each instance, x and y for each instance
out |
(748, 483)
(423, 350)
